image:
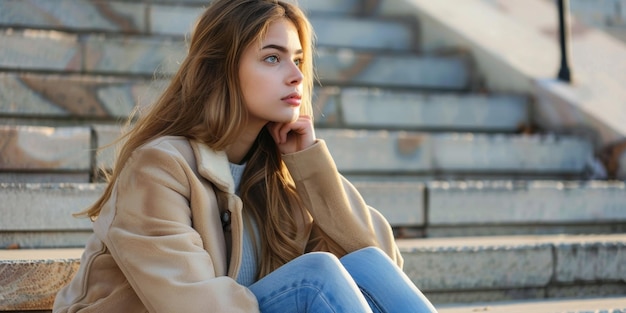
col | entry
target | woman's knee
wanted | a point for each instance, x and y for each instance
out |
(371, 251)
(314, 281)
(367, 252)
(319, 261)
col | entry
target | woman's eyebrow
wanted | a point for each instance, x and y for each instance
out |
(281, 49)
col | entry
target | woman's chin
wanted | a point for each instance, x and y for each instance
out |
(285, 116)
(287, 119)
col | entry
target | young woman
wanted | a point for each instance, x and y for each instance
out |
(223, 200)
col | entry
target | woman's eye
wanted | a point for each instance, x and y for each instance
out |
(298, 62)
(272, 59)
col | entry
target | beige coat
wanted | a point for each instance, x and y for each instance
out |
(158, 244)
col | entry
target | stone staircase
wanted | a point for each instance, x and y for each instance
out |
(486, 207)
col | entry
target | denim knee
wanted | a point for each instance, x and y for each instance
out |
(371, 250)
(319, 261)
(313, 282)
(367, 252)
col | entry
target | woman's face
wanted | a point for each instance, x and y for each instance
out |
(270, 76)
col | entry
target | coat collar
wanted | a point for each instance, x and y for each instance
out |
(213, 165)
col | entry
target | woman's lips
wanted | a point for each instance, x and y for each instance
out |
(293, 99)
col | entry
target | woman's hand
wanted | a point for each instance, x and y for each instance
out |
(295, 136)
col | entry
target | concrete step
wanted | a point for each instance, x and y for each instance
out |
(366, 33)
(452, 270)
(103, 16)
(66, 99)
(157, 17)
(72, 150)
(71, 97)
(355, 68)
(507, 268)
(31, 278)
(334, 7)
(53, 51)
(67, 151)
(405, 152)
(39, 215)
(46, 51)
(311, 6)
(465, 208)
(574, 305)
(77, 16)
(393, 109)
(43, 154)
(495, 208)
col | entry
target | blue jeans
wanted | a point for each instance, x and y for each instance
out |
(362, 281)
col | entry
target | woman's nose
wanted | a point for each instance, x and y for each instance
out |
(296, 76)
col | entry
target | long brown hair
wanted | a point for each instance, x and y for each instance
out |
(204, 102)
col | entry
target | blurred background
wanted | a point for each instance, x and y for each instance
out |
(491, 138)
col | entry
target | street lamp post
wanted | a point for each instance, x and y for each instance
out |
(564, 72)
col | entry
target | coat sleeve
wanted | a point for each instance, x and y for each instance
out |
(338, 210)
(150, 235)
